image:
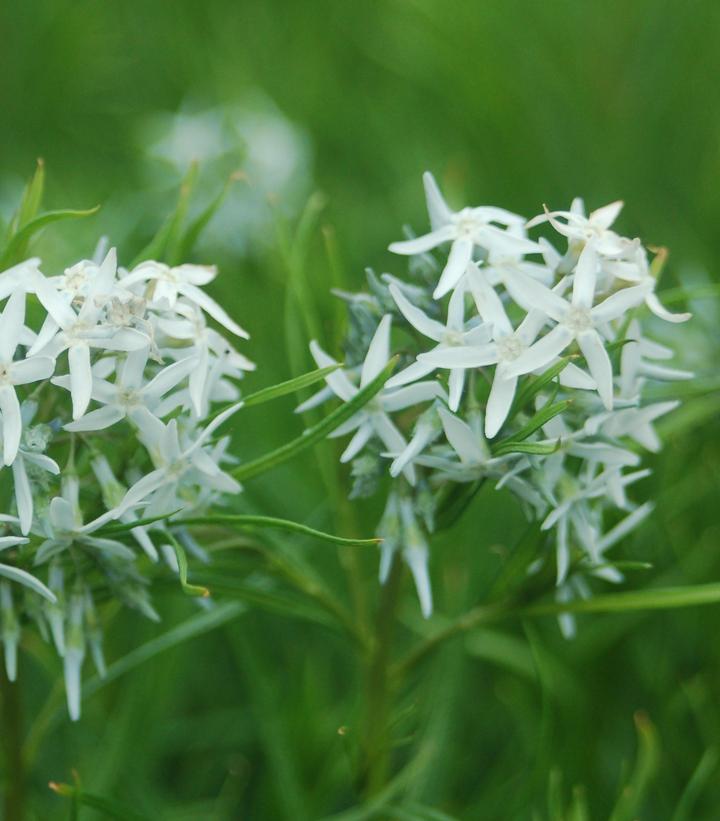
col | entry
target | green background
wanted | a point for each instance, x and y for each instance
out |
(517, 104)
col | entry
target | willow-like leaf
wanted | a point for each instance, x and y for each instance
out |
(190, 589)
(659, 598)
(197, 226)
(162, 243)
(290, 386)
(531, 386)
(539, 448)
(249, 521)
(17, 245)
(317, 432)
(542, 417)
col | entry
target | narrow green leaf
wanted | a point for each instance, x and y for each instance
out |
(110, 807)
(190, 589)
(317, 432)
(697, 785)
(455, 503)
(23, 577)
(32, 196)
(249, 521)
(197, 226)
(542, 417)
(646, 764)
(526, 447)
(659, 598)
(290, 386)
(117, 528)
(159, 245)
(531, 386)
(16, 247)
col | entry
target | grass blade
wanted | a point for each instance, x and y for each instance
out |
(17, 245)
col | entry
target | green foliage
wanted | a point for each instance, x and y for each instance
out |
(253, 708)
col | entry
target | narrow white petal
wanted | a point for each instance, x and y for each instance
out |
(337, 381)
(573, 377)
(456, 383)
(11, 323)
(462, 438)
(417, 318)
(599, 364)
(417, 560)
(96, 420)
(32, 369)
(23, 495)
(424, 243)
(585, 277)
(487, 301)
(358, 442)
(662, 312)
(466, 356)
(619, 303)
(15, 574)
(604, 217)
(438, 210)
(378, 353)
(11, 423)
(458, 260)
(411, 395)
(410, 374)
(530, 294)
(501, 396)
(80, 378)
(393, 440)
(211, 308)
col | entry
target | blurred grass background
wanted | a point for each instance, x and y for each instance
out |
(515, 103)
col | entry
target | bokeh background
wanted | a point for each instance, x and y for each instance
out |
(517, 103)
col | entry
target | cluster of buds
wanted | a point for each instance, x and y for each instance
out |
(524, 366)
(109, 385)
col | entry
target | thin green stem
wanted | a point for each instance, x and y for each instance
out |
(14, 800)
(379, 687)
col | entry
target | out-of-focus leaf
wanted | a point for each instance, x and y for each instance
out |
(190, 589)
(646, 764)
(16, 248)
(542, 417)
(109, 807)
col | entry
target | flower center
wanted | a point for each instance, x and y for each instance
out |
(509, 348)
(578, 319)
(128, 397)
(453, 338)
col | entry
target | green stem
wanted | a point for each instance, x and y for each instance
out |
(14, 801)
(379, 692)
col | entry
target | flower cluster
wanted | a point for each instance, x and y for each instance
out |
(108, 379)
(530, 375)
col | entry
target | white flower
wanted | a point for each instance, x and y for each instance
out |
(415, 553)
(175, 462)
(508, 346)
(168, 284)
(78, 332)
(373, 419)
(577, 320)
(16, 372)
(451, 335)
(466, 230)
(128, 393)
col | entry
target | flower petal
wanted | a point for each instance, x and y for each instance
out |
(438, 210)
(419, 245)
(417, 318)
(541, 354)
(598, 363)
(378, 354)
(501, 396)
(457, 263)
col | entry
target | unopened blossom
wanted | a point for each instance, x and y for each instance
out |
(467, 229)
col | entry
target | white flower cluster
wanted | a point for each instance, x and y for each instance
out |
(107, 380)
(531, 375)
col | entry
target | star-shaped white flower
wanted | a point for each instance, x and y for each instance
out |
(16, 372)
(129, 392)
(466, 230)
(451, 335)
(508, 346)
(373, 419)
(167, 284)
(577, 319)
(79, 331)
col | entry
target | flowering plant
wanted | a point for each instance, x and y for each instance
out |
(531, 376)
